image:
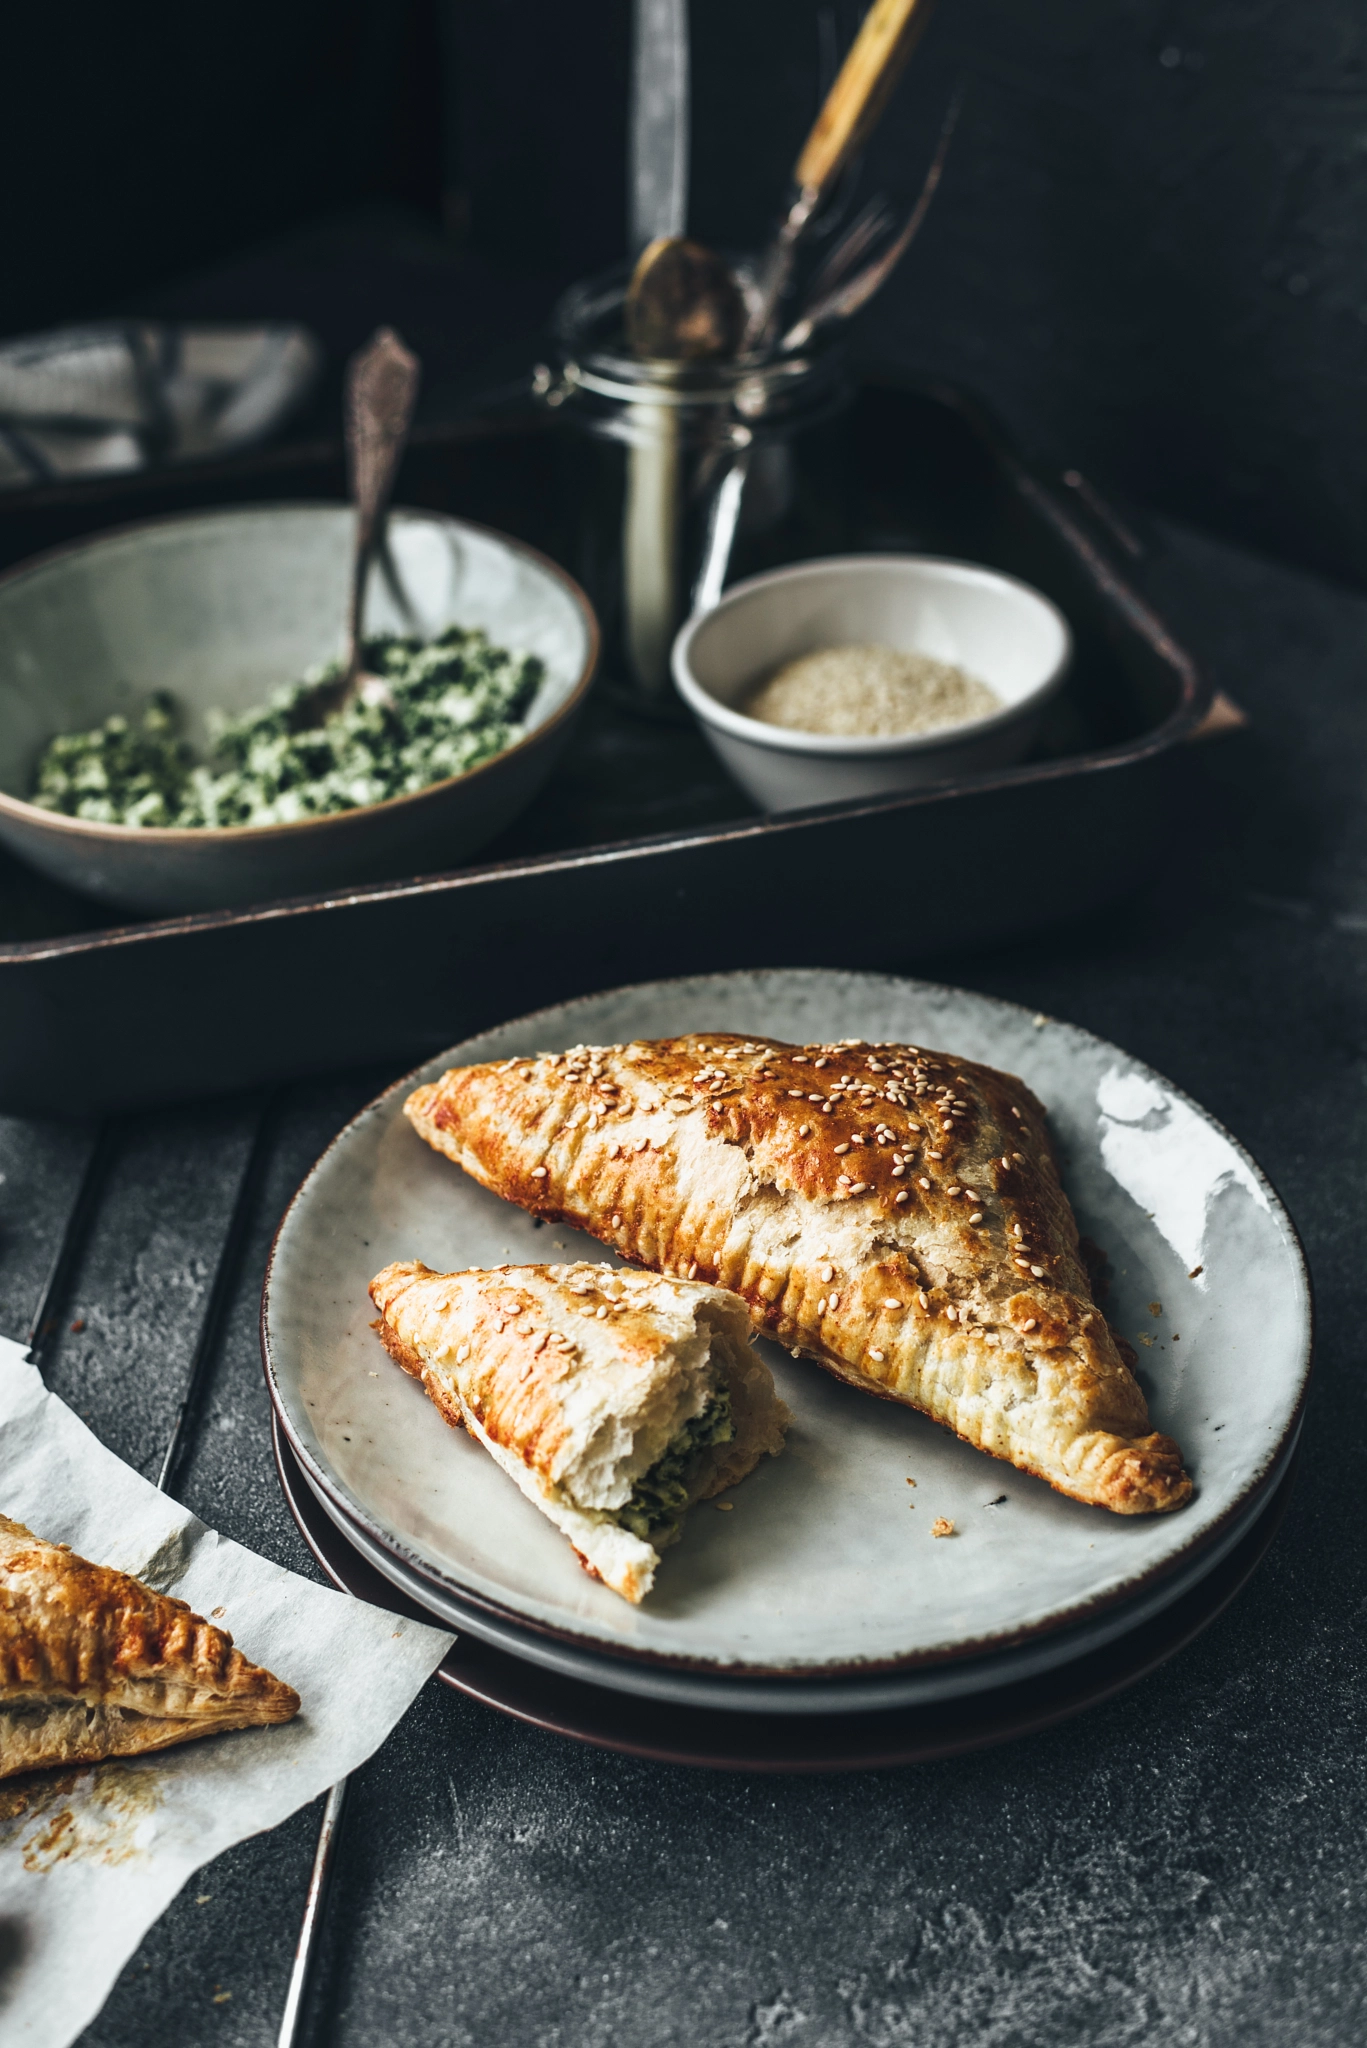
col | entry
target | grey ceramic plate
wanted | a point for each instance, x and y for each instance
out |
(921, 1685)
(827, 1567)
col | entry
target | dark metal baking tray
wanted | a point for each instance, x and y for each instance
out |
(641, 858)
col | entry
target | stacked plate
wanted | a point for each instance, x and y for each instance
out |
(823, 1592)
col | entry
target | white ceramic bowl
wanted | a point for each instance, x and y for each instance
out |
(222, 608)
(1000, 630)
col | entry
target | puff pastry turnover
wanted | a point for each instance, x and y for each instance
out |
(95, 1664)
(894, 1213)
(614, 1400)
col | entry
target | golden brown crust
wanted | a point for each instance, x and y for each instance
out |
(93, 1663)
(893, 1212)
(512, 1341)
(576, 1379)
(401, 1353)
(485, 1340)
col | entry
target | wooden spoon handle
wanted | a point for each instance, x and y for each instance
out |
(890, 32)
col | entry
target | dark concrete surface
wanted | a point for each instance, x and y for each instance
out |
(1182, 1865)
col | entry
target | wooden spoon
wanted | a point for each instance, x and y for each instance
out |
(683, 304)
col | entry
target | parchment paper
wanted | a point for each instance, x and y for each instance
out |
(95, 1856)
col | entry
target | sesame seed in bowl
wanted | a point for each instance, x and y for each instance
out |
(963, 658)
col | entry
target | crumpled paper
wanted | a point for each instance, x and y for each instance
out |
(89, 1859)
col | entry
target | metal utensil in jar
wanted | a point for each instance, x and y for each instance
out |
(837, 295)
(890, 31)
(657, 483)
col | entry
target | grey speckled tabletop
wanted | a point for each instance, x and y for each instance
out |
(1182, 1864)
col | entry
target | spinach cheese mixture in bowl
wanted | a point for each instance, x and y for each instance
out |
(161, 744)
(447, 705)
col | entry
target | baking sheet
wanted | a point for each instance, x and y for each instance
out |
(618, 869)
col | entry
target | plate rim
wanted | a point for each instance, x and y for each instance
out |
(965, 1648)
(677, 1742)
(1153, 1601)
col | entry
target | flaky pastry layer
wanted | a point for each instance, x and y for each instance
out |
(892, 1212)
(94, 1664)
(576, 1379)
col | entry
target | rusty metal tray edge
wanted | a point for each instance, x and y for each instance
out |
(36, 982)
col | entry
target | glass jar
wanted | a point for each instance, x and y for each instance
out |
(682, 474)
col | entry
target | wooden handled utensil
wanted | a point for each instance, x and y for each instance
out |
(890, 31)
(876, 58)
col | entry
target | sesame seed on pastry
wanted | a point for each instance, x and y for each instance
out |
(893, 1213)
(614, 1400)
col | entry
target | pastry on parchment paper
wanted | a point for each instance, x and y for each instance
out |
(894, 1213)
(94, 1664)
(615, 1400)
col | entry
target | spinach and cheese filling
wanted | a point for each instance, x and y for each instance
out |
(660, 1495)
(612, 1399)
(454, 702)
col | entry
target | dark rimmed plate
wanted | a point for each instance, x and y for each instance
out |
(679, 1687)
(779, 1743)
(826, 1570)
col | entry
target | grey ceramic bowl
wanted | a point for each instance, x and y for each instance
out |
(221, 608)
(998, 628)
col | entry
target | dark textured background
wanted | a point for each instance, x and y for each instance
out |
(1150, 249)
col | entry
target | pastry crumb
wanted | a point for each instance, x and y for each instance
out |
(204, 1898)
(911, 1482)
(1196, 1272)
(724, 1507)
(1155, 1308)
(942, 1526)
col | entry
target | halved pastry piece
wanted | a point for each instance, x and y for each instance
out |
(94, 1664)
(894, 1213)
(614, 1400)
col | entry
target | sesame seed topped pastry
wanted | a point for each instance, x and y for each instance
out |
(895, 1214)
(94, 1664)
(614, 1400)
